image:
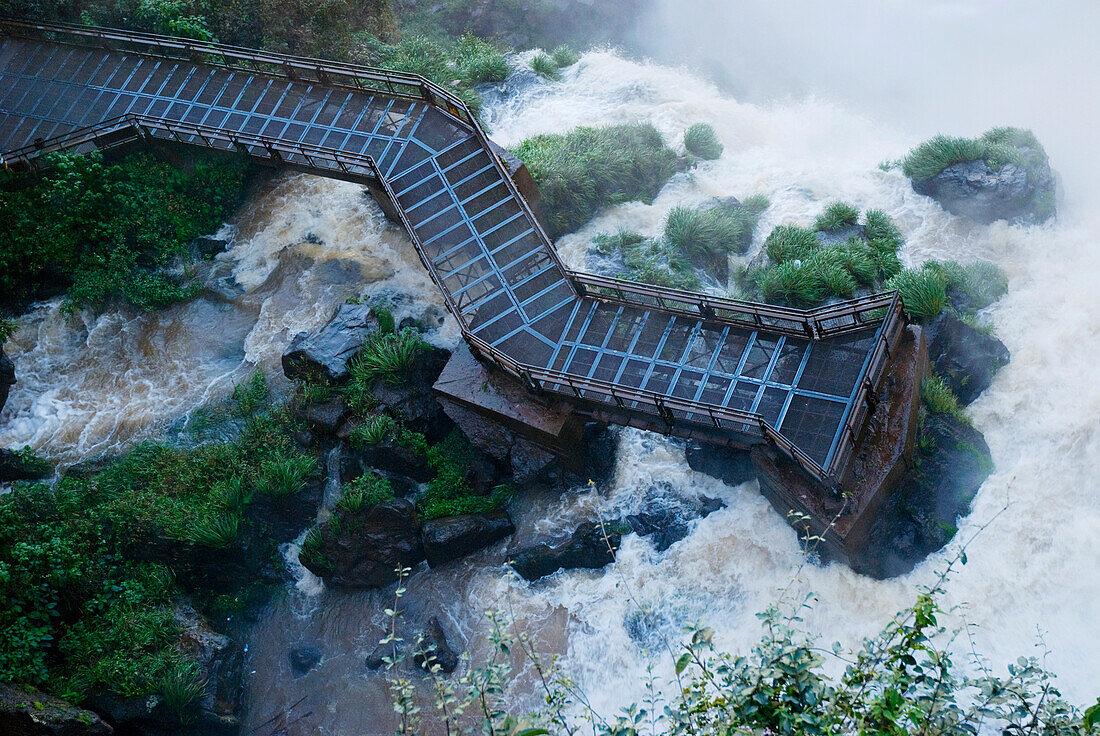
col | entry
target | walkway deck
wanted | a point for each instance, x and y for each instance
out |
(752, 372)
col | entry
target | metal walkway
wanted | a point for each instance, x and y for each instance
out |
(688, 363)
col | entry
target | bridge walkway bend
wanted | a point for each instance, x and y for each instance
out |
(693, 363)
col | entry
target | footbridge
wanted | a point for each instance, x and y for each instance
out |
(691, 364)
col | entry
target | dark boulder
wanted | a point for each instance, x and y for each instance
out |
(303, 658)
(208, 246)
(433, 649)
(953, 462)
(727, 464)
(413, 400)
(376, 660)
(974, 190)
(452, 537)
(389, 456)
(323, 355)
(29, 712)
(16, 465)
(221, 661)
(591, 547)
(967, 358)
(7, 377)
(666, 520)
(325, 419)
(362, 549)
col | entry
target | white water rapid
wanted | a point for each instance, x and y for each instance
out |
(1033, 579)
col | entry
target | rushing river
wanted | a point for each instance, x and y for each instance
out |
(92, 384)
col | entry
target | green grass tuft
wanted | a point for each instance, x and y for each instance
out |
(181, 687)
(589, 168)
(389, 357)
(836, 216)
(792, 283)
(564, 56)
(217, 532)
(543, 65)
(701, 140)
(285, 473)
(373, 430)
(368, 489)
(252, 395)
(923, 291)
(938, 397)
(478, 62)
(997, 147)
(790, 242)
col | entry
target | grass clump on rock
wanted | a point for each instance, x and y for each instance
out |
(923, 290)
(938, 398)
(997, 147)
(543, 65)
(368, 489)
(701, 140)
(588, 168)
(836, 216)
(564, 56)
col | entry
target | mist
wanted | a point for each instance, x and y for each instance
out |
(942, 66)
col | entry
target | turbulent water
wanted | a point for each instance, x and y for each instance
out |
(89, 385)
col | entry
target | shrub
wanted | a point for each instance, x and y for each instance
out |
(544, 66)
(373, 430)
(564, 56)
(111, 230)
(285, 473)
(588, 168)
(448, 493)
(836, 216)
(368, 489)
(789, 243)
(389, 357)
(922, 290)
(701, 140)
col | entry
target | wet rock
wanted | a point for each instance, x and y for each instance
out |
(390, 456)
(974, 190)
(453, 537)
(19, 466)
(433, 649)
(221, 661)
(590, 546)
(366, 546)
(208, 246)
(414, 400)
(953, 462)
(600, 451)
(29, 712)
(376, 660)
(224, 290)
(727, 464)
(323, 355)
(7, 377)
(666, 520)
(304, 658)
(525, 461)
(841, 235)
(324, 420)
(967, 358)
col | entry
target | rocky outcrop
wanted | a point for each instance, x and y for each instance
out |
(325, 419)
(453, 537)
(921, 517)
(967, 358)
(728, 464)
(29, 712)
(303, 658)
(362, 549)
(666, 519)
(591, 547)
(323, 355)
(7, 377)
(433, 649)
(221, 661)
(413, 400)
(208, 246)
(389, 456)
(975, 190)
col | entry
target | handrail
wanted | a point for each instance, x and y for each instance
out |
(810, 324)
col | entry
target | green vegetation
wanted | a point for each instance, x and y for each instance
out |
(589, 168)
(996, 147)
(701, 140)
(252, 395)
(938, 398)
(107, 231)
(368, 489)
(83, 606)
(922, 290)
(564, 56)
(387, 356)
(478, 62)
(373, 430)
(543, 65)
(285, 473)
(7, 329)
(449, 493)
(790, 243)
(836, 216)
